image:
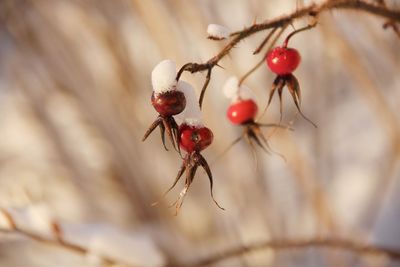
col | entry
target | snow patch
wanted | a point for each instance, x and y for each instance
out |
(218, 32)
(163, 76)
(192, 114)
(231, 87)
(194, 122)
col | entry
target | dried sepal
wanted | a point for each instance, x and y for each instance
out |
(205, 166)
(291, 82)
(294, 88)
(167, 125)
(253, 135)
(189, 167)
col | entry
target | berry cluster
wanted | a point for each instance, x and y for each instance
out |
(171, 97)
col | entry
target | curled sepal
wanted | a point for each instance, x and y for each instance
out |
(205, 166)
(252, 133)
(277, 85)
(189, 166)
(294, 88)
(291, 82)
(167, 125)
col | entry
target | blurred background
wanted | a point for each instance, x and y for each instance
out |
(75, 93)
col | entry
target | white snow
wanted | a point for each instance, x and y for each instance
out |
(163, 76)
(232, 90)
(218, 32)
(192, 114)
(231, 87)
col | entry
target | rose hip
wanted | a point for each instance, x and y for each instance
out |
(242, 111)
(283, 60)
(168, 103)
(194, 138)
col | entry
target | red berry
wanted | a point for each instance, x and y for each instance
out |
(242, 111)
(283, 60)
(195, 138)
(169, 103)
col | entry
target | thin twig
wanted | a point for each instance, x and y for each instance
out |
(347, 245)
(203, 90)
(280, 21)
(265, 41)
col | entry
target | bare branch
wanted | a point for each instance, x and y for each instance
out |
(310, 10)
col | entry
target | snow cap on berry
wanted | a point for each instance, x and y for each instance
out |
(235, 92)
(163, 76)
(231, 87)
(218, 32)
(192, 114)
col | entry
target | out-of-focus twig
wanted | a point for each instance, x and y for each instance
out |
(393, 25)
(341, 244)
(57, 240)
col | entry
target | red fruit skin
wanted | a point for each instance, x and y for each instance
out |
(282, 60)
(242, 111)
(195, 138)
(168, 103)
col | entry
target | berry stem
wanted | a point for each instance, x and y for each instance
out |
(310, 26)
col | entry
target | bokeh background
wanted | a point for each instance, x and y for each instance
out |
(75, 93)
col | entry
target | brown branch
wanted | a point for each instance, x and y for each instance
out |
(341, 244)
(310, 10)
(280, 21)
